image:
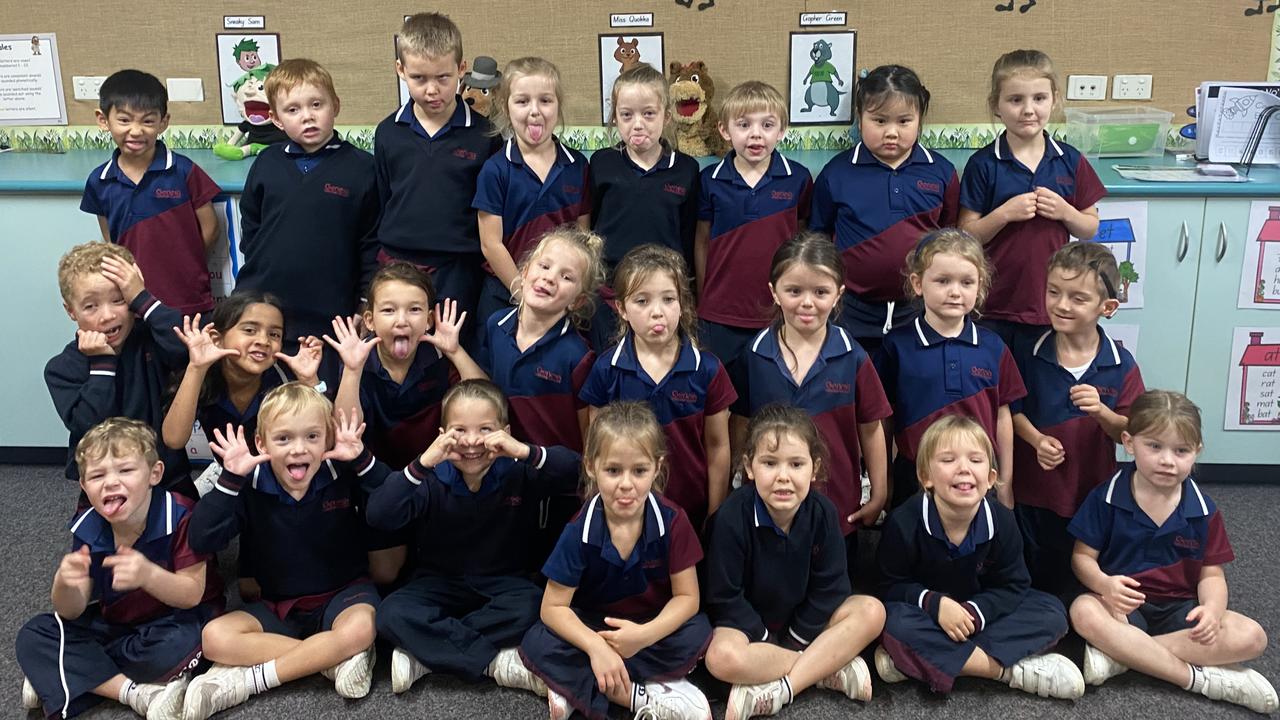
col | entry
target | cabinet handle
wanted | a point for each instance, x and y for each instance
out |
(1184, 241)
(1222, 242)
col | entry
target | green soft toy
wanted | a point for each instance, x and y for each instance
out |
(256, 131)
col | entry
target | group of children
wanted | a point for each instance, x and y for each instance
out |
(500, 430)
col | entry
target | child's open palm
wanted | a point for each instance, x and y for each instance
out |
(347, 444)
(353, 350)
(305, 363)
(448, 327)
(234, 452)
(202, 349)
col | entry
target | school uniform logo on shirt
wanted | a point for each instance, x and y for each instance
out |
(339, 504)
(546, 374)
(651, 564)
(336, 190)
(838, 387)
(1186, 543)
(570, 189)
(513, 501)
(426, 384)
(786, 195)
(981, 373)
(928, 186)
(1107, 391)
(464, 153)
(165, 194)
(1065, 181)
(675, 189)
(681, 396)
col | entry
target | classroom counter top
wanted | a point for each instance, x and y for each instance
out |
(26, 172)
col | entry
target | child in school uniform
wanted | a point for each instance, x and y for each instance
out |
(806, 360)
(777, 588)
(620, 621)
(750, 203)
(534, 183)
(1080, 385)
(1025, 195)
(116, 366)
(130, 598)
(1150, 548)
(958, 600)
(301, 499)
(657, 360)
(472, 499)
(313, 197)
(943, 363)
(151, 200)
(643, 190)
(876, 199)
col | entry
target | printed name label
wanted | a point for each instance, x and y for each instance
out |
(624, 20)
(244, 22)
(816, 19)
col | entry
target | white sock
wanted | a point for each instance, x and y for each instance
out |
(262, 677)
(128, 689)
(786, 685)
(639, 696)
(1197, 679)
(1006, 676)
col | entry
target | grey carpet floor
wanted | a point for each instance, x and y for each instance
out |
(35, 503)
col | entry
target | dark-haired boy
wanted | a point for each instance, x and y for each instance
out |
(150, 199)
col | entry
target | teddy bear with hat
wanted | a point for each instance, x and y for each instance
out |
(479, 85)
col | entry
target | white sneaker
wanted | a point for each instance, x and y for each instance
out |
(508, 670)
(1240, 686)
(674, 700)
(885, 668)
(405, 670)
(143, 695)
(30, 700)
(558, 706)
(854, 680)
(352, 677)
(1100, 667)
(746, 701)
(167, 705)
(1048, 675)
(222, 687)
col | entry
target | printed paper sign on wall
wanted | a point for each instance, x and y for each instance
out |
(1253, 391)
(1260, 269)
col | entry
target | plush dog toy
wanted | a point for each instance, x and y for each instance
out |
(691, 92)
(479, 84)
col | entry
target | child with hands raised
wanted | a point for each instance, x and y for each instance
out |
(1150, 548)
(619, 621)
(131, 597)
(298, 507)
(471, 501)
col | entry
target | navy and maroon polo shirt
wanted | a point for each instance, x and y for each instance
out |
(528, 205)
(927, 376)
(840, 392)
(541, 383)
(220, 412)
(876, 214)
(163, 541)
(631, 206)
(1020, 252)
(156, 220)
(404, 418)
(696, 388)
(748, 225)
(1090, 452)
(426, 183)
(1166, 559)
(636, 587)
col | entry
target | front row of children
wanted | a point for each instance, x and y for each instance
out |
(137, 599)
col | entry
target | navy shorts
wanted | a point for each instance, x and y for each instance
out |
(301, 624)
(1162, 618)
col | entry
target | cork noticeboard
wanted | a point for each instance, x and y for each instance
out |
(950, 43)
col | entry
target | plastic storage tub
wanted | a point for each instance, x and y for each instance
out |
(1118, 132)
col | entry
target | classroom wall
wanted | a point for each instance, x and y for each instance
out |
(951, 43)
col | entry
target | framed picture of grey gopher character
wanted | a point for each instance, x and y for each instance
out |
(821, 77)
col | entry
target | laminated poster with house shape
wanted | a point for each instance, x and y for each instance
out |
(1122, 227)
(1253, 392)
(1260, 270)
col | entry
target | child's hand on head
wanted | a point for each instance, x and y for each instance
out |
(1019, 207)
(202, 349)
(126, 276)
(448, 327)
(611, 672)
(1087, 399)
(130, 569)
(234, 452)
(954, 620)
(1207, 623)
(353, 350)
(442, 448)
(305, 363)
(92, 342)
(500, 442)
(347, 444)
(1120, 594)
(627, 638)
(1050, 204)
(1049, 452)
(73, 571)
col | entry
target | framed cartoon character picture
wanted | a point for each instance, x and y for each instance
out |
(243, 64)
(619, 53)
(821, 77)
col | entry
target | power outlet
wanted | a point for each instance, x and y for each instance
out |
(86, 87)
(1131, 87)
(1087, 87)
